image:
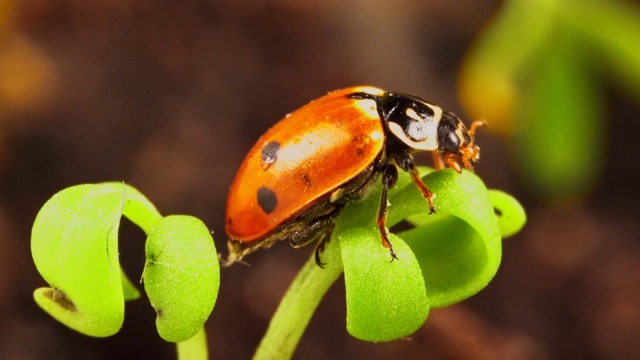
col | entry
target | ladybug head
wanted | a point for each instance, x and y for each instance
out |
(456, 142)
(422, 126)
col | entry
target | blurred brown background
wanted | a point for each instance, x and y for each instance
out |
(169, 97)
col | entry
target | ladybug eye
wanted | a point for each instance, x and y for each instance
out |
(451, 133)
(451, 143)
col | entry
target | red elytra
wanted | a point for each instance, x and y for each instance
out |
(301, 173)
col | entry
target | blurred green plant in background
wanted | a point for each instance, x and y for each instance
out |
(539, 72)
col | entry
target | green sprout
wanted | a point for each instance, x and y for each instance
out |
(74, 245)
(445, 259)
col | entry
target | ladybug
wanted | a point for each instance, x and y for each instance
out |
(304, 170)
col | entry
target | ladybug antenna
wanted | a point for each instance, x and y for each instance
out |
(474, 126)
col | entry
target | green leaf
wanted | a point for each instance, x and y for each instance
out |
(385, 300)
(74, 247)
(459, 249)
(138, 208)
(181, 276)
(511, 215)
(450, 259)
(388, 300)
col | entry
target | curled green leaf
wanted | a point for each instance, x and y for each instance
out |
(374, 284)
(385, 300)
(390, 300)
(511, 215)
(181, 276)
(447, 260)
(74, 247)
(459, 248)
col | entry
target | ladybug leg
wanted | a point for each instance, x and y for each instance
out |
(313, 229)
(438, 163)
(406, 163)
(389, 178)
(320, 248)
(428, 194)
(319, 228)
(452, 161)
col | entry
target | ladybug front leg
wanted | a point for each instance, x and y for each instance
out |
(428, 194)
(438, 162)
(389, 178)
(452, 160)
(406, 162)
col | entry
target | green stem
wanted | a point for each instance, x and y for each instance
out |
(299, 304)
(194, 348)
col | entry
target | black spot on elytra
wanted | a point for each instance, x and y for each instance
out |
(270, 154)
(267, 199)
